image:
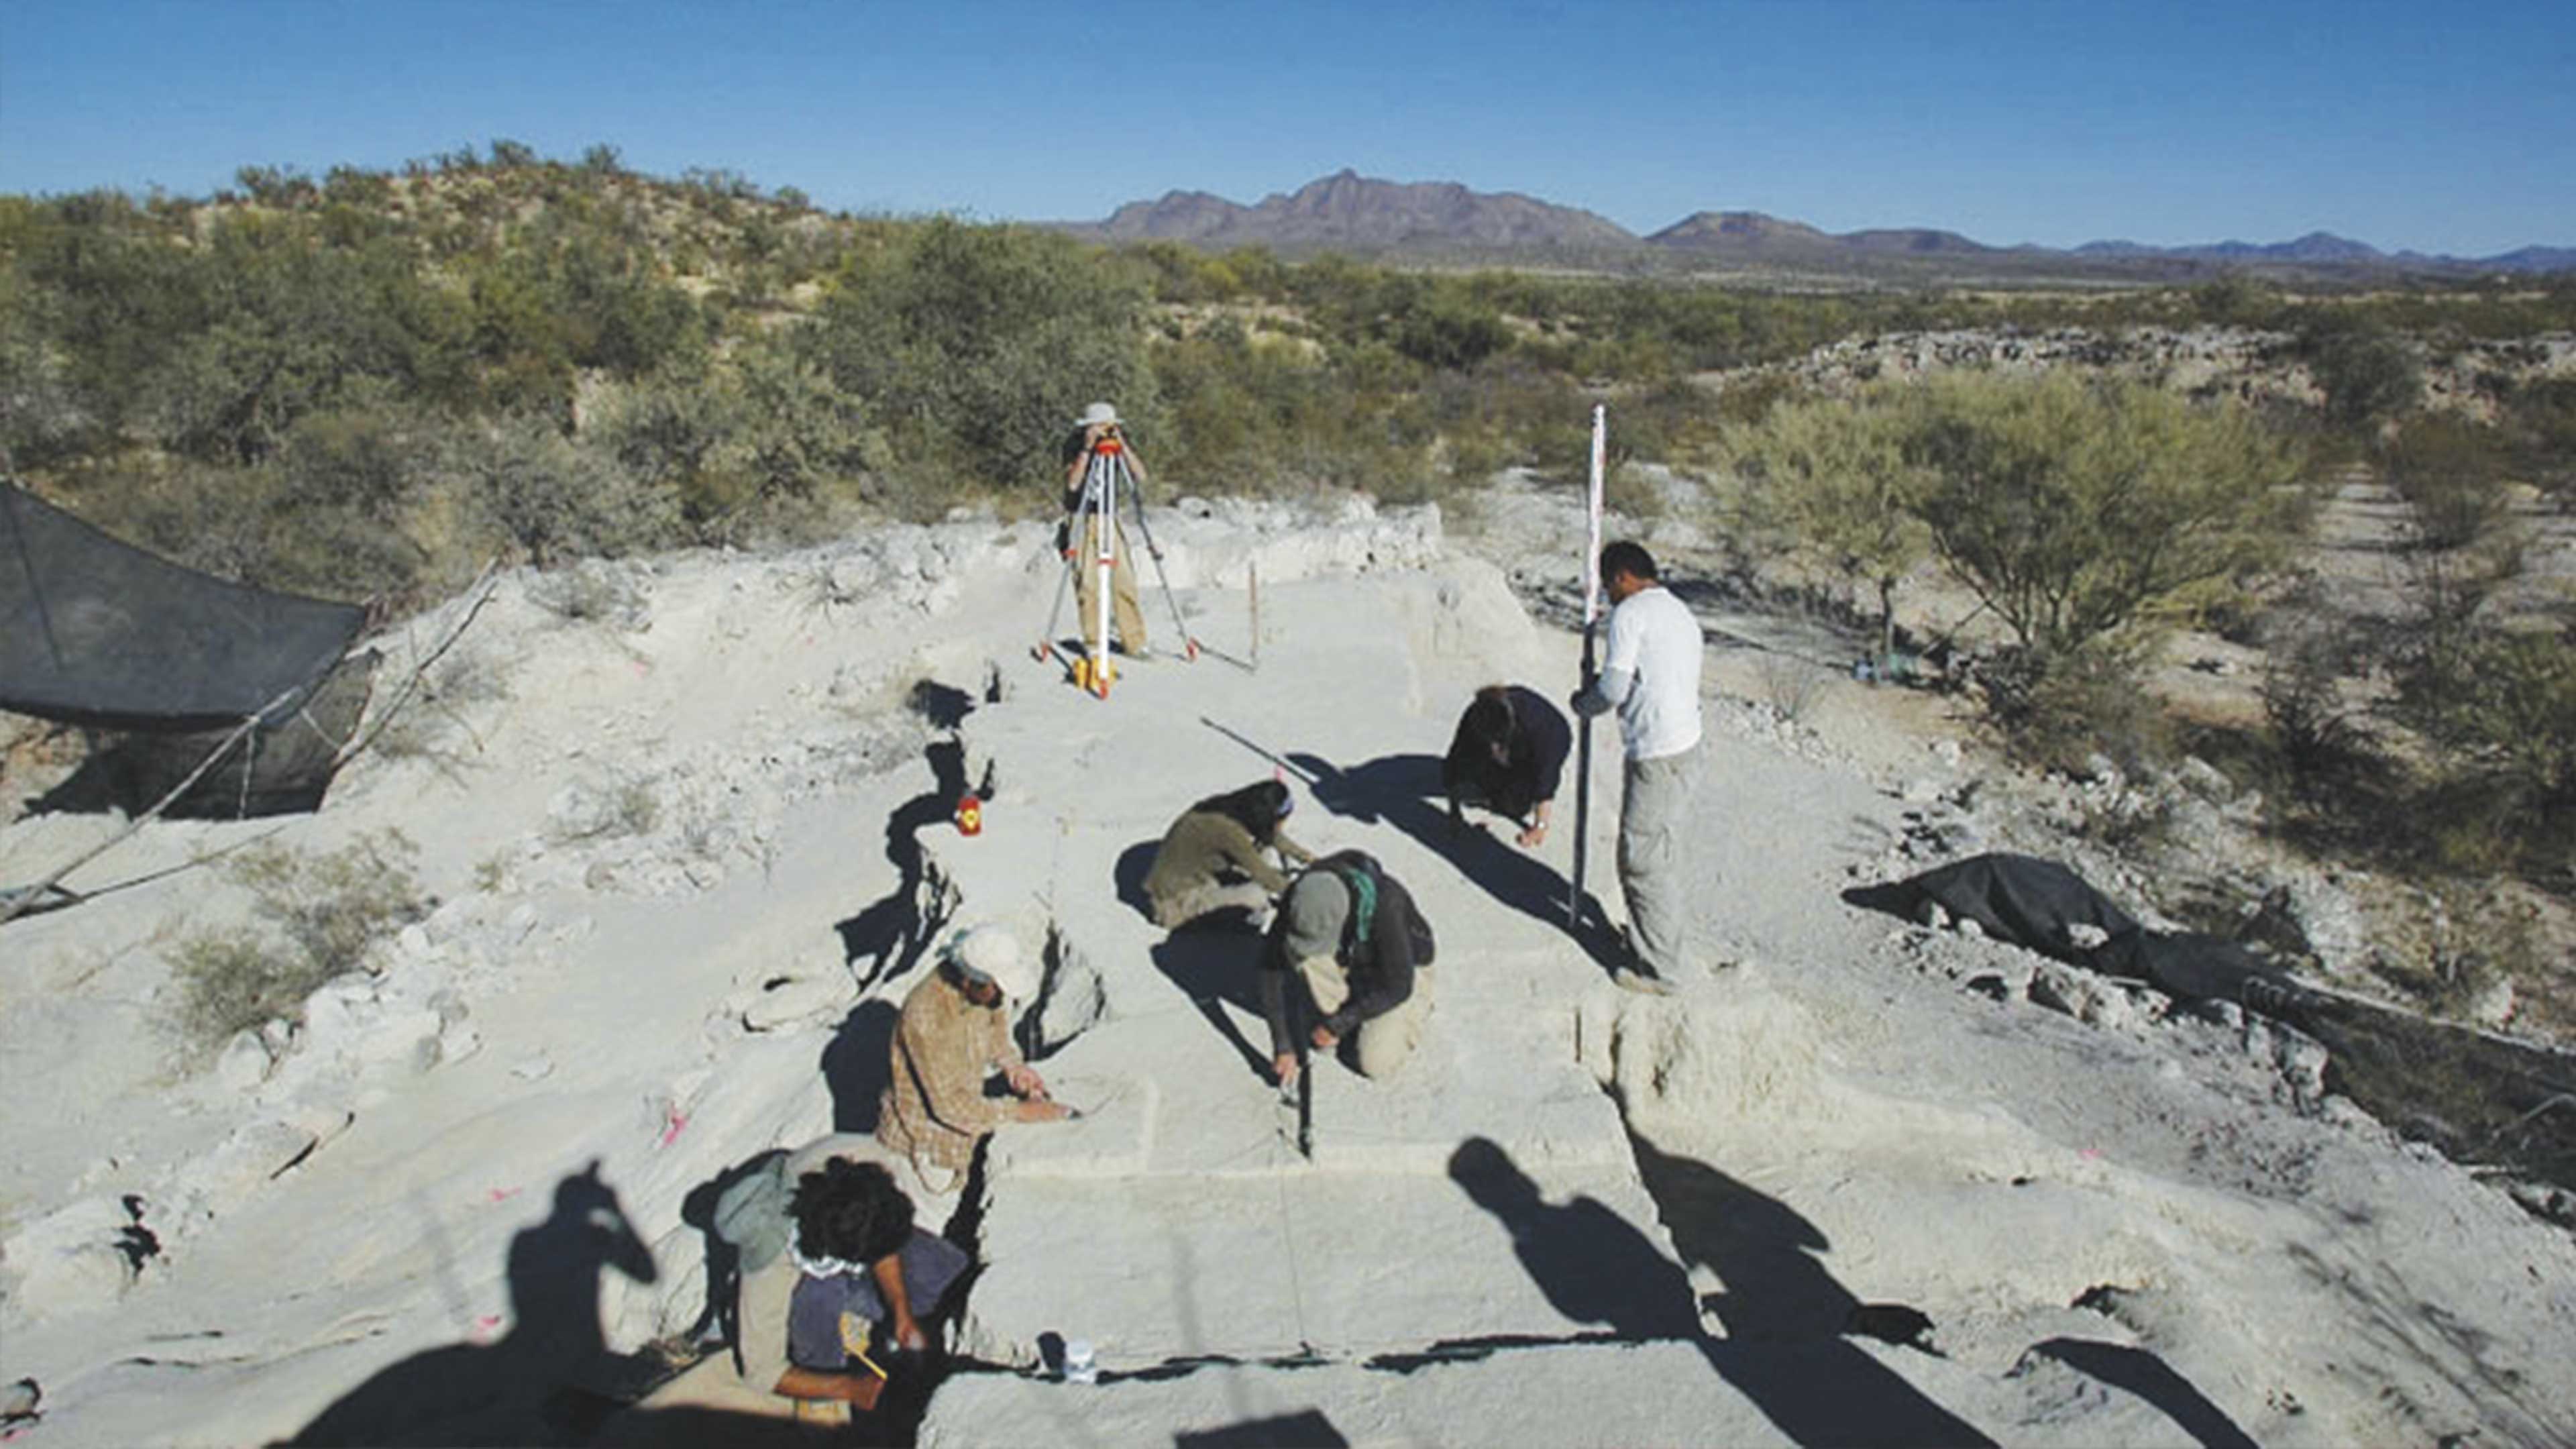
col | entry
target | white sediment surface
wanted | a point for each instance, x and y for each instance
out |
(1578, 1216)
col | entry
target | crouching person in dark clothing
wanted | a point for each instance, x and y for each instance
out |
(1358, 953)
(870, 1280)
(1508, 756)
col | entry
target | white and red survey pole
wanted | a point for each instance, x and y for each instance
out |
(1591, 615)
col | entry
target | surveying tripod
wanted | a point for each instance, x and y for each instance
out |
(1106, 482)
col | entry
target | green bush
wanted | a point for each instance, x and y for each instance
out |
(1832, 478)
(2365, 369)
(556, 500)
(2510, 713)
(2540, 429)
(234, 980)
(2078, 511)
(2451, 473)
(979, 345)
(2057, 710)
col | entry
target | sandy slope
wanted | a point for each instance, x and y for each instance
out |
(464, 1187)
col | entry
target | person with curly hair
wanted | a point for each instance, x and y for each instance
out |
(867, 1279)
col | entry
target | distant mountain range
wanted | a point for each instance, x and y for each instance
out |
(1350, 210)
(1364, 215)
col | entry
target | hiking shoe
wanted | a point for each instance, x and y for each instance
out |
(1643, 983)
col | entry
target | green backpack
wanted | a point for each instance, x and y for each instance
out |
(1359, 875)
(752, 1214)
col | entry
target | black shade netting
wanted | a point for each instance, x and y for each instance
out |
(97, 632)
(282, 767)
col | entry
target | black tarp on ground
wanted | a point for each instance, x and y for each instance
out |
(2037, 904)
(97, 632)
(2477, 1095)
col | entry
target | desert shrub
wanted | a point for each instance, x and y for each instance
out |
(588, 592)
(2451, 473)
(2057, 710)
(315, 917)
(800, 440)
(2539, 424)
(2366, 370)
(556, 499)
(1444, 328)
(978, 345)
(2079, 511)
(2508, 719)
(234, 980)
(42, 419)
(1264, 417)
(271, 323)
(332, 907)
(1790, 685)
(2237, 300)
(1832, 478)
(2314, 732)
(667, 432)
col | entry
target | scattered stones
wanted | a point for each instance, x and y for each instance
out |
(2093, 1000)
(2493, 1003)
(69, 1259)
(1073, 999)
(2203, 779)
(244, 1063)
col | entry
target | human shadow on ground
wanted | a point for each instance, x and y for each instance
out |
(858, 1062)
(1405, 791)
(1593, 1266)
(2150, 1378)
(1306, 1430)
(894, 930)
(1215, 966)
(550, 1379)
(1134, 864)
(1784, 1315)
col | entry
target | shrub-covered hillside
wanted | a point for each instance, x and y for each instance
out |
(366, 383)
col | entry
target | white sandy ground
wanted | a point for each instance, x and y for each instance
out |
(1831, 1121)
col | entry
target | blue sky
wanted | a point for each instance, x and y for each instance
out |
(2442, 128)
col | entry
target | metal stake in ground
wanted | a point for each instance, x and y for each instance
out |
(1583, 730)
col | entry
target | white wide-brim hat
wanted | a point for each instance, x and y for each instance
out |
(994, 954)
(1097, 413)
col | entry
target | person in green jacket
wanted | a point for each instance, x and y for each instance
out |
(1216, 857)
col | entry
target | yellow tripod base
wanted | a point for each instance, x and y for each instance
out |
(1093, 675)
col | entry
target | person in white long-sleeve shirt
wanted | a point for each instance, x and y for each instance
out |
(1650, 675)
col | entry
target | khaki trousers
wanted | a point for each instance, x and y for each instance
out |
(1381, 1043)
(1654, 811)
(1125, 616)
(1207, 897)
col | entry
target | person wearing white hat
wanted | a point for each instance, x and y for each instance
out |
(953, 1036)
(1099, 423)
